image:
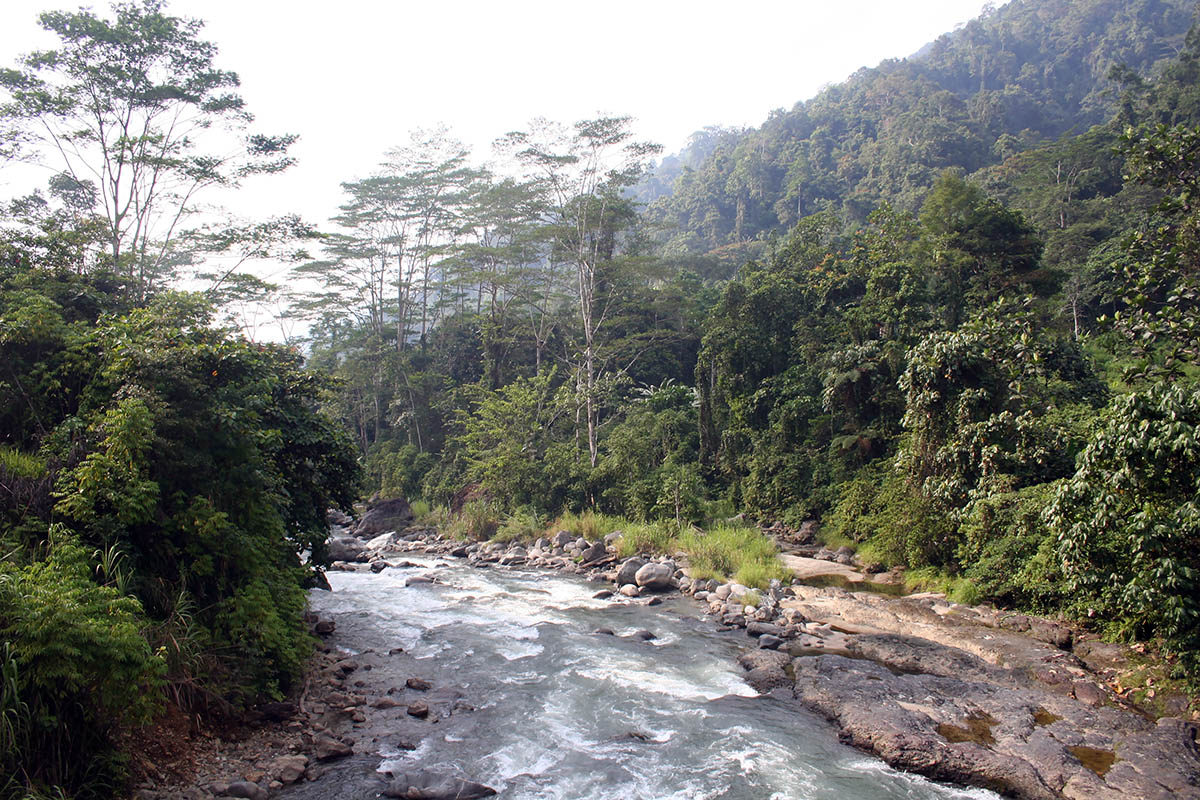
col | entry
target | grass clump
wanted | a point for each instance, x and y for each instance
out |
(522, 526)
(650, 537)
(742, 553)
(477, 521)
(589, 525)
(420, 509)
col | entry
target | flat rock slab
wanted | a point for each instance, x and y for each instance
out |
(1025, 743)
(954, 693)
(808, 568)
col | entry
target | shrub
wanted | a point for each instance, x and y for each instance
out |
(477, 521)
(1128, 521)
(74, 667)
(1007, 551)
(521, 526)
(898, 525)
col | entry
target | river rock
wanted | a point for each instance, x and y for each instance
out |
(383, 541)
(644, 635)
(655, 577)
(594, 553)
(418, 709)
(627, 573)
(428, 786)
(324, 627)
(603, 594)
(378, 566)
(418, 684)
(769, 642)
(327, 748)
(991, 727)
(629, 590)
(347, 549)
(722, 591)
(764, 680)
(246, 789)
(288, 769)
(390, 515)
(757, 659)
(763, 628)
(562, 539)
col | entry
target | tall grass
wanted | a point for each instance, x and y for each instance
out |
(728, 551)
(649, 537)
(521, 526)
(589, 525)
(477, 521)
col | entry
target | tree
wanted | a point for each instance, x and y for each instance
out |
(123, 106)
(583, 175)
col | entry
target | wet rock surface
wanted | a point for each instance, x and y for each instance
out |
(956, 694)
(962, 694)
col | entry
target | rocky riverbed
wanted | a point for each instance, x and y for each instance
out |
(970, 695)
(437, 650)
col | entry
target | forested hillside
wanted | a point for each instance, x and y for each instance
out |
(1025, 73)
(948, 309)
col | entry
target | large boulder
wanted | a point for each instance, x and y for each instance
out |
(388, 515)
(347, 549)
(428, 786)
(655, 577)
(628, 570)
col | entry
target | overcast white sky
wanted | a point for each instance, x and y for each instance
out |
(352, 77)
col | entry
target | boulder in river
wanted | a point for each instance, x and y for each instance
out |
(389, 515)
(346, 549)
(428, 786)
(627, 572)
(655, 577)
(629, 590)
(383, 541)
(327, 748)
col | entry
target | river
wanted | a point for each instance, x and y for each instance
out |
(555, 710)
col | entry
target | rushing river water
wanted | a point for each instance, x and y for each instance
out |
(555, 703)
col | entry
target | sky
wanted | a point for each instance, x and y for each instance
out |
(353, 77)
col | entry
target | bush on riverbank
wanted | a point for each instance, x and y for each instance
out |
(163, 476)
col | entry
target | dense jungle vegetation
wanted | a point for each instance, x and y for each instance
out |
(948, 307)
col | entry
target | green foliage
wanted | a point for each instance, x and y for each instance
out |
(983, 406)
(518, 443)
(649, 537)
(649, 468)
(741, 553)
(1127, 522)
(1008, 552)
(477, 521)
(898, 524)
(520, 526)
(75, 666)
(590, 525)
(396, 470)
